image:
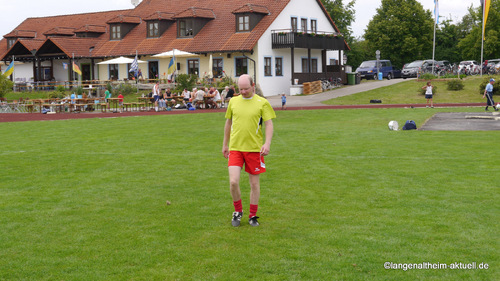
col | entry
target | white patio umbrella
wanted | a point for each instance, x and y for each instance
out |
(210, 67)
(120, 60)
(175, 52)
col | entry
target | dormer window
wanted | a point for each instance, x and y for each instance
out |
(153, 29)
(158, 23)
(10, 42)
(192, 21)
(121, 25)
(116, 32)
(243, 23)
(248, 16)
(185, 28)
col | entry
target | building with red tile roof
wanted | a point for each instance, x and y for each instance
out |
(282, 40)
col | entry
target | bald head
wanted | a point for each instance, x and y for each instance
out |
(245, 83)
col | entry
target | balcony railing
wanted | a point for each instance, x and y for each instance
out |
(287, 38)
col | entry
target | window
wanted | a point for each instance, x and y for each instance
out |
(217, 67)
(10, 42)
(185, 28)
(334, 62)
(314, 65)
(243, 23)
(113, 72)
(193, 67)
(314, 27)
(279, 66)
(304, 25)
(241, 66)
(153, 29)
(116, 32)
(294, 24)
(267, 67)
(305, 66)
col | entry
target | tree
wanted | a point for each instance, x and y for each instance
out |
(343, 16)
(447, 36)
(360, 51)
(5, 85)
(471, 25)
(402, 30)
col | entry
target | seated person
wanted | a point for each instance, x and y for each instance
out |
(214, 93)
(230, 94)
(169, 97)
(198, 97)
(186, 96)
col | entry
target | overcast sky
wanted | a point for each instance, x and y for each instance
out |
(14, 12)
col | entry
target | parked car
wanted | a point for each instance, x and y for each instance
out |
(468, 67)
(368, 69)
(412, 69)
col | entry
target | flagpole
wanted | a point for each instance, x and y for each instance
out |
(436, 15)
(14, 72)
(136, 74)
(434, 48)
(482, 40)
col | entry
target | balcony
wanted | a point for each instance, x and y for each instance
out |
(286, 38)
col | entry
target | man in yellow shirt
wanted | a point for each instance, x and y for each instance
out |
(242, 144)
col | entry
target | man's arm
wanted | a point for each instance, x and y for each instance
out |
(269, 136)
(227, 134)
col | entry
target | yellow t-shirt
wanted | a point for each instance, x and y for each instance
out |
(247, 116)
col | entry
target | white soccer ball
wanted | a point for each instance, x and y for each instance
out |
(498, 106)
(393, 125)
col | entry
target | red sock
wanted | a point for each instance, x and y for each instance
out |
(253, 210)
(237, 206)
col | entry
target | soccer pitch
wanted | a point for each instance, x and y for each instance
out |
(86, 200)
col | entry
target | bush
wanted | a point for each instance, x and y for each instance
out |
(427, 76)
(434, 90)
(455, 85)
(185, 81)
(482, 86)
(5, 85)
(126, 89)
(109, 87)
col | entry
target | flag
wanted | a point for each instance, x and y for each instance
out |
(486, 10)
(171, 66)
(76, 69)
(436, 11)
(65, 65)
(9, 70)
(134, 67)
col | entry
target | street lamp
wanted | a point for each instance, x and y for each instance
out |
(377, 55)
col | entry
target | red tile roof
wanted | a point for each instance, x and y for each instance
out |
(17, 33)
(36, 27)
(60, 31)
(251, 8)
(160, 16)
(77, 47)
(91, 28)
(125, 19)
(218, 35)
(195, 12)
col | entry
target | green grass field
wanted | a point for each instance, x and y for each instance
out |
(85, 200)
(407, 93)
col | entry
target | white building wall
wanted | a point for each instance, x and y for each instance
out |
(309, 9)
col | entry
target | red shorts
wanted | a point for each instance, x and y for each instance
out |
(254, 162)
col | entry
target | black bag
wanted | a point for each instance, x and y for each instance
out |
(410, 125)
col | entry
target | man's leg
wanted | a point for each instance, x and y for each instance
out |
(234, 187)
(234, 182)
(254, 199)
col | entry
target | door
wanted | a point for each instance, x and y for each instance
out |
(153, 69)
(86, 72)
